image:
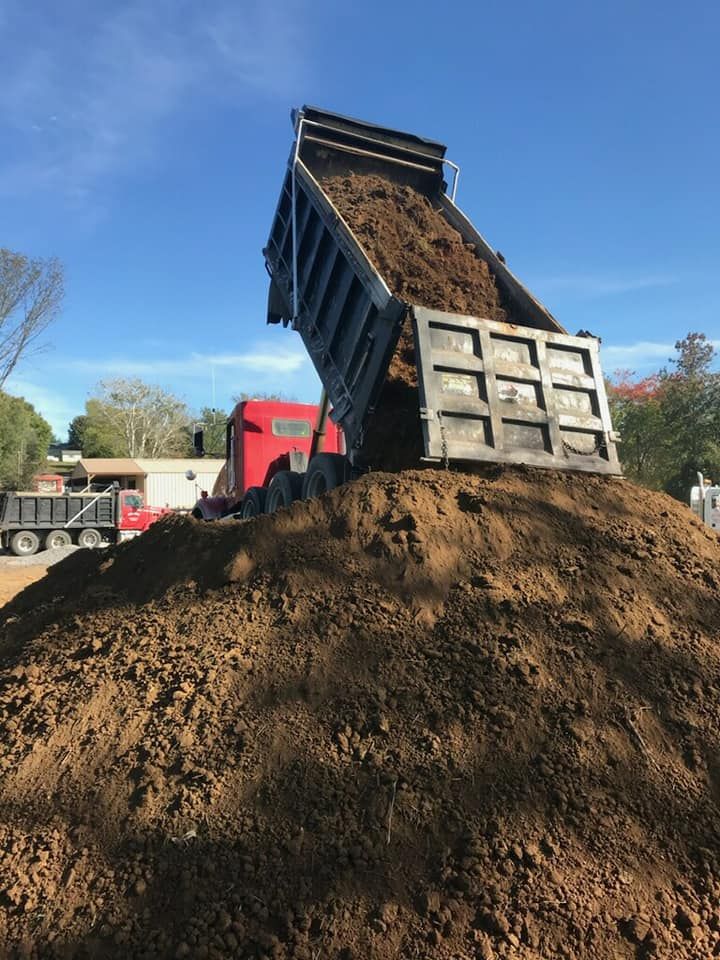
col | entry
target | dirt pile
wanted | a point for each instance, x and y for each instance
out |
(429, 715)
(426, 262)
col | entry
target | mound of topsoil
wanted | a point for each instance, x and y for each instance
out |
(426, 716)
(424, 261)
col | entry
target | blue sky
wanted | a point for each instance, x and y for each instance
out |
(144, 144)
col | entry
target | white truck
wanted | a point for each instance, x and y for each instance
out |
(705, 502)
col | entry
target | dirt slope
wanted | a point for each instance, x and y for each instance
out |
(430, 715)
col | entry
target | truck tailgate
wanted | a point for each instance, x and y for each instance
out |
(497, 392)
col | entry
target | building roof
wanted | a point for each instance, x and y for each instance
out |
(108, 467)
(142, 466)
(172, 465)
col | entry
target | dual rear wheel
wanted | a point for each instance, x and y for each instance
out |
(325, 472)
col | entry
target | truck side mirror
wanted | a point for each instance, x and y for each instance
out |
(199, 443)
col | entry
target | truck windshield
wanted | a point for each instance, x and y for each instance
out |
(291, 428)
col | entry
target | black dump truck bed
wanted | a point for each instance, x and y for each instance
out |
(487, 391)
(47, 511)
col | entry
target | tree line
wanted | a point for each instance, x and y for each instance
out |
(669, 421)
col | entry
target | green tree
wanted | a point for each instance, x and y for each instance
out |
(24, 440)
(691, 413)
(130, 418)
(94, 435)
(213, 423)
(670, 422)
(637, 415)
(31, 292)
(263, 396)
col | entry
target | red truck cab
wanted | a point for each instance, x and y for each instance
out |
(268, 445)
(133, 517)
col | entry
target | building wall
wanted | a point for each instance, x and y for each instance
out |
(175, 490)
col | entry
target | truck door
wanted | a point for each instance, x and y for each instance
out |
(131, 516)
(230, 441)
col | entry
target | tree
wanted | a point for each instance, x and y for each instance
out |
(691, 413)
(670, 422)
(213, 424)
(636, 409)
(94, 435)
(130, 418)
(263, 396)
(31, 291)
(24, 440)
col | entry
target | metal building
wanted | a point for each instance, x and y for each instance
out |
(163, 482)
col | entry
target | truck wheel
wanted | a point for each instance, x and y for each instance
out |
(325, 472)
(253, 503)
(285, 487)
(25, 543)
(56, 539)
(90, 539)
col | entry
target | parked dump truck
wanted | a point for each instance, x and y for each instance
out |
(29, 520)
(519, 392)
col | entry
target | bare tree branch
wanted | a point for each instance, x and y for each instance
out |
(31, 292)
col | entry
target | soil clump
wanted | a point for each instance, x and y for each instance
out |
(427, 715)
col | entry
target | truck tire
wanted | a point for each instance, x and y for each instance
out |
(325, 472)
(253, 503)
(89, 538)
(24, 543)
(56, 539)
(285, 487)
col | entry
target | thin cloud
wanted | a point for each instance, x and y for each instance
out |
(195, 366)
(595, 286)
(640, 355)
(92, 94)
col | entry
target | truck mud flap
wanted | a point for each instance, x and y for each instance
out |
(495, 392)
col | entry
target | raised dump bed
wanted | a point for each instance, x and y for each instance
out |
(508, 385)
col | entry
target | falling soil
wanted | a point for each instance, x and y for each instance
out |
(429, 715)
(421, 258)
(425, 262)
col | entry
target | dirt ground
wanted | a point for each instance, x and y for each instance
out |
(429, 715)
(15, 579)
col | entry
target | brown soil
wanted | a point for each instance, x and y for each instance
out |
(427, 716)
(13, 580)
(424, 261)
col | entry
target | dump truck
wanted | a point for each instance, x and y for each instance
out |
(487, 391)
(31, 519)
